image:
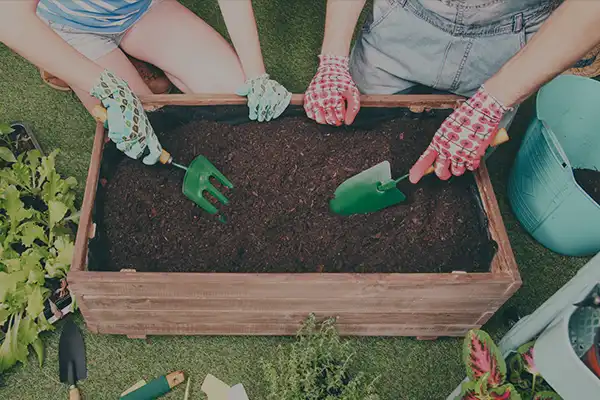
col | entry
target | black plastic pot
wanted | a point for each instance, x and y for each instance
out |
(25, 140)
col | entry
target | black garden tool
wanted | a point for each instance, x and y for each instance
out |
(71, 358)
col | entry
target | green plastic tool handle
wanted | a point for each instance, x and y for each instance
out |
(501, 137)
(153, 389)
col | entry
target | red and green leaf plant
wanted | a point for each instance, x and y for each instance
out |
(487, 372)
(37, 214)
(480, 390)
(526, 352)
(482, 356)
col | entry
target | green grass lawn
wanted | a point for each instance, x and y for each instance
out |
(291, 32)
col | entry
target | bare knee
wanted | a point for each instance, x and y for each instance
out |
(225, 76)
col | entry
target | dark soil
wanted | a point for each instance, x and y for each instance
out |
(284, 173)
(589, 180)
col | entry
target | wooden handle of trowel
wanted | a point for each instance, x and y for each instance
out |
(74, 393)
(99, 113)
(501, 137)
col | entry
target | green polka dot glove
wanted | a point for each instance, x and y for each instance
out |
(127, 123)
(267, 99)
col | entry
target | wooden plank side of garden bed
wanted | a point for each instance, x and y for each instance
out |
(504, 263)
(86, 226)
(281, 286)
(139, 304)
(243, 317)
(416, 102)
(234, 329)
(291, 304)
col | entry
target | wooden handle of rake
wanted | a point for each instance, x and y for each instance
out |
(501, 137)
(100, 115)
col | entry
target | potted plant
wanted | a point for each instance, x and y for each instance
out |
(37, 221)
(491, 377)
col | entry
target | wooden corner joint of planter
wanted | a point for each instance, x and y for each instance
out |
(485, 317)
(91, 326)
(512, 289)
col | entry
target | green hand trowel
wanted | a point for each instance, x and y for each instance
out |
(374, 189)
(197, 175)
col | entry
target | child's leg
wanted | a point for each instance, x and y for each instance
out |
(117, 62)
(104, 51)
(195, 56)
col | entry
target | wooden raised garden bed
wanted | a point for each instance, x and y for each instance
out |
(372, 304)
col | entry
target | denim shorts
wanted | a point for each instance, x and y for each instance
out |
(90, 44)
(447, 45)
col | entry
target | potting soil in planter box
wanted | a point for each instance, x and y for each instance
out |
(284, 173)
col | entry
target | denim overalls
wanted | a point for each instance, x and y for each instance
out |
(448, 45)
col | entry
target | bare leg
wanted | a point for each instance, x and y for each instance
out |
(195, 56)
(118, 63)
(178, 83)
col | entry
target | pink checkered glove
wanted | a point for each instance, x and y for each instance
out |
(326, 96)
(463, 138)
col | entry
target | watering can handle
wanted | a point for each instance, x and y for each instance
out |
(100, 115)
(501, 137)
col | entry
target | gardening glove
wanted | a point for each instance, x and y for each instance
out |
(463, 138)
(127, 123)
(326, 96)
(267, 99)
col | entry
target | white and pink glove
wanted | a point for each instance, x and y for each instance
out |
(463, 138)
(326, 96)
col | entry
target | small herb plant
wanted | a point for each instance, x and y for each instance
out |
(317, 366)
(491, 379)
(37, 217)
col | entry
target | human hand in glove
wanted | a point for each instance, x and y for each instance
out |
(267, 99)
(128, 125)
(463, 138)
(326, 96)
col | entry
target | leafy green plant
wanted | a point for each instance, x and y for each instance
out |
(37, 214)
(317, 366)
(490, 378)
(8, 148)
